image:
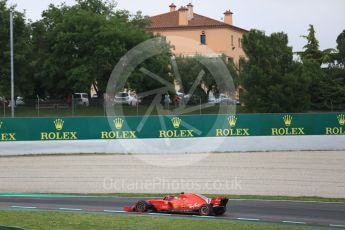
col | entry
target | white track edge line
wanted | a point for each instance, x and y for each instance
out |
(23, 207)
(71, 209)
(293, 222)
(250, 219)
(337, 225)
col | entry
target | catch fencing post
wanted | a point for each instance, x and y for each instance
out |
(12, 65)
(72, 105)
(38, 106)
(200, 106)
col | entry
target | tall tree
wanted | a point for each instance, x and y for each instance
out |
(190, 69)
(81, 44)
(273, 81)
(340, 57)
(312, 48)
(326, 88)
(330, 90)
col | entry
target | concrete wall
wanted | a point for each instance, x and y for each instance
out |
(171, 146)
(217, 39)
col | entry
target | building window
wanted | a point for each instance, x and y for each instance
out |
(203, 38)
(232, 40)
(230, 60)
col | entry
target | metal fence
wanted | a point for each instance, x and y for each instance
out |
(46, 108)
(97, 107)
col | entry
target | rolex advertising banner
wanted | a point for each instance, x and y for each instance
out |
(97, 128)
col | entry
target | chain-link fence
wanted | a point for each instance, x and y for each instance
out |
(54, 107)
(83, 105)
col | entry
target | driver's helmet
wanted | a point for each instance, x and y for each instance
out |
(168, 197)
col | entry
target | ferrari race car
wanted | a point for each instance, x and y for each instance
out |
(184, 203)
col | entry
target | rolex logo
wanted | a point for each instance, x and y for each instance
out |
(118, 122)
(176, 122)
(232, 121)
(287, 120)
(59, 124)
(341, 119)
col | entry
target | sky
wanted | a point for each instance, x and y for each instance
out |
(290, 16)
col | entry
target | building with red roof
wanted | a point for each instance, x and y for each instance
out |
(194, 34)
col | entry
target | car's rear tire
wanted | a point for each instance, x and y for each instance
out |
(141, 206)
(206, 210)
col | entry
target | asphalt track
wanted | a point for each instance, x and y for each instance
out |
(287, 212)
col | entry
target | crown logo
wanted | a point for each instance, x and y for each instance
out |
(287, 120)
(176, 122)
(118, 122)
(59, 124)
(232, 121)
(0, 124)
(341, 119)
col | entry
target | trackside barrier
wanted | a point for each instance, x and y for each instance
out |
(139, 127)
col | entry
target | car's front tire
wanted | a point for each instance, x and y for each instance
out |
(206, 210)
(141, 206)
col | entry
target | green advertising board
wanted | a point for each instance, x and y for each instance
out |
(96, 128)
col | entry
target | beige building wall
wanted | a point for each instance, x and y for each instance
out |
(219, 40)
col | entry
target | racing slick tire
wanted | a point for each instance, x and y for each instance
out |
(206, 210)
(141, 206)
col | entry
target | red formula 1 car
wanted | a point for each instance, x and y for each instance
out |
(184, 203)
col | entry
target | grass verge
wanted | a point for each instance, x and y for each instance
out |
(26, 111)
(58, 220)
(233, 197)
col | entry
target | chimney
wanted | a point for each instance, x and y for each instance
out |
(183, 16)
(172, 7)
(190, 11)
(228, 17)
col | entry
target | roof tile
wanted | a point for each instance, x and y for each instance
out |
(170, 20)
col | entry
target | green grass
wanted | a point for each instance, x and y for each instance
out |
(233, 197)
(246, 197)
(25, 111)
(290, 198)
(99, 111)
(58, 220)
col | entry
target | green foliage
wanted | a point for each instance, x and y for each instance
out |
(158, 65)
(340, 57)
(190, 69)
(77, 46)
(327, 85)
(313, 71)
(74, 47)
(311, 49)
(273, 81)
(329, 90)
